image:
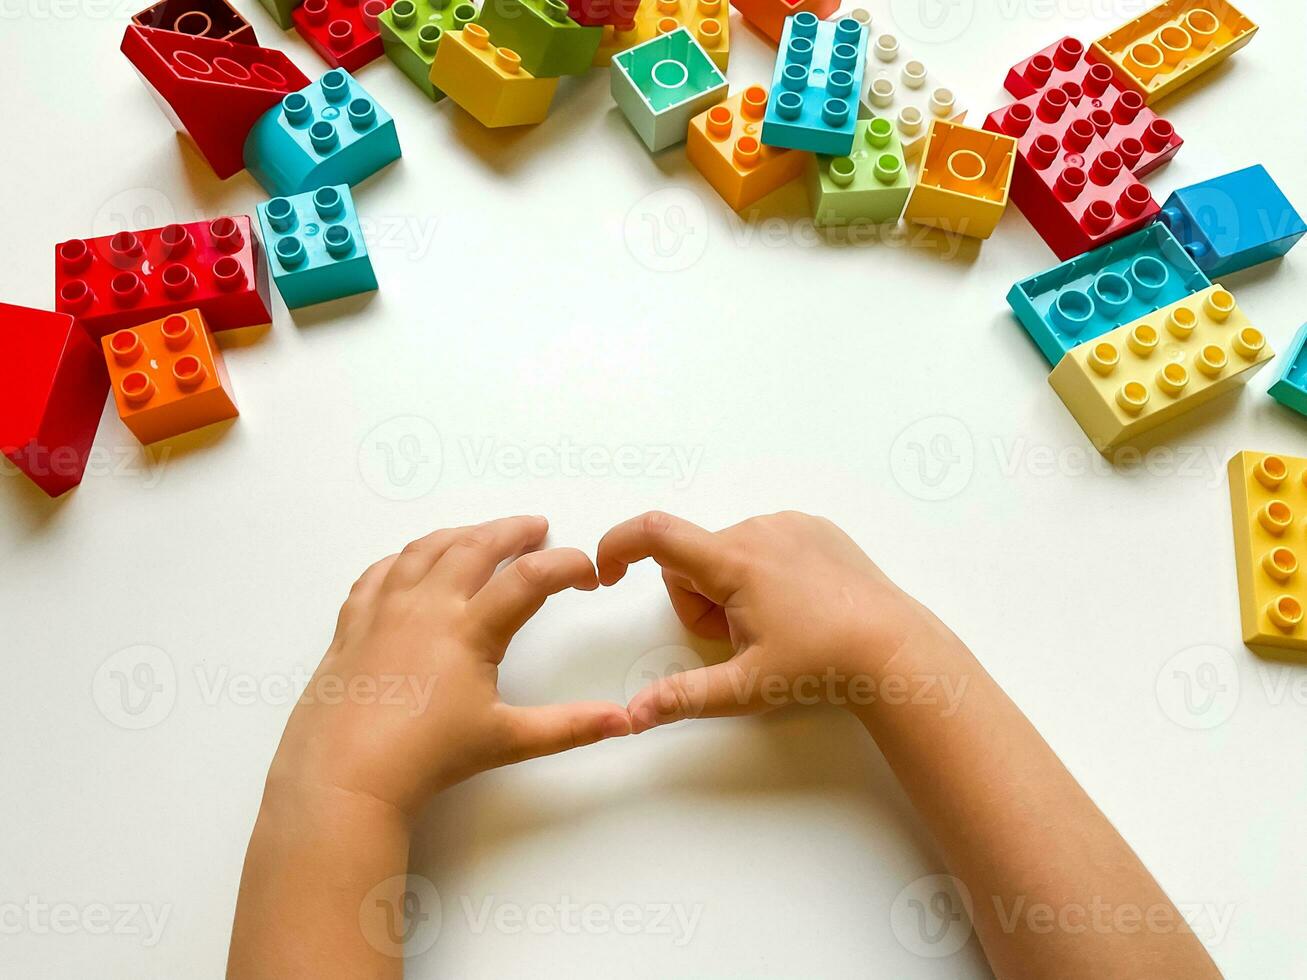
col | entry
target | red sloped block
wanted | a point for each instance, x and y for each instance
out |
(53, 385)
(344, 33)
(129, 278)
(202, 18)
(768, 16)
(212, 91)
(603, 13)
(1069, 182)
(1143, 138)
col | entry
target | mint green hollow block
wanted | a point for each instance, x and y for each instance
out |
(869, 185)
(662, 84)
(547, 40)
(411, 30)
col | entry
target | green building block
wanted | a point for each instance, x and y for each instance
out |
(871, 184)
(547, 40)
(280, 10)
(410, 31)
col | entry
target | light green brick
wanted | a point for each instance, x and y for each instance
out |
(411, 30)
(280, 10)
(870, 185)
(548, 41)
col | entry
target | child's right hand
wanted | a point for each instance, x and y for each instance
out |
(807, 612)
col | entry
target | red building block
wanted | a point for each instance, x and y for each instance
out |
(212, 91)
(168, 377)
(768, 16)
(343, 32)
(53, 384)
(1143, 138)
(200, 18)
(128, 278)
(1069, 181)
(602, 13)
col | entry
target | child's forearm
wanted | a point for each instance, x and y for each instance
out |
(1056, 891)
(322, 890)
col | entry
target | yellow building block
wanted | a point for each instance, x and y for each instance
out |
(1173, 44)
(489, 82)
(706, 19)
(964, 180)
(1268, 501)
(725, 143)
(1138, 376)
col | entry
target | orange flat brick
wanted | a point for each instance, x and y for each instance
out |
(725, 143)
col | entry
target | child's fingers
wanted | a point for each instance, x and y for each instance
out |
(673, 543)
(717, 691)
(699, 614)
(364, 591)
(515, 593)
(472, 558)
(533, 732)
(418, 556)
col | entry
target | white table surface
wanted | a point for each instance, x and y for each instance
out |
(533, 349)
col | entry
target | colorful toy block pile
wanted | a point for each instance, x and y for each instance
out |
(1133, 323)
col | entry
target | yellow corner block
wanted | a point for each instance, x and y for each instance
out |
(1268, 501)
(488, 81)
(725, 144)
(707, 20)
(964, 180)
(1143, 374)
(1173, 44)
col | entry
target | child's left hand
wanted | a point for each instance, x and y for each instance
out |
(406, 699)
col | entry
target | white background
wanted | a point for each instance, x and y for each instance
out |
(525, 307)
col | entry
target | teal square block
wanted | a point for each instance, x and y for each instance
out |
(662, 84)
(315, 246)
(330, 132)
(816, 84)
(547, 40)
(870, 184)
(1290, 388)
(411, 30)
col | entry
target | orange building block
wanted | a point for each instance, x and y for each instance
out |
(168, 377)
(725, 143)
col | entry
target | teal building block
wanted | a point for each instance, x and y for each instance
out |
(870, 185)
(816, 84)
(1233, 222)
(1290, 388)
(1101, 290)
(315, 247)
(331, 132)
(547, 40)
(410, 31)
(280, 11)
(663, 83)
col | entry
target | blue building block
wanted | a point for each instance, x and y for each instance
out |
(1101, 290)
(331, 132)
(1290, 388)
(315, 246)
(816, 85)
(1233, 222)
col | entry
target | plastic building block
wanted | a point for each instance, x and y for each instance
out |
(52, 390)
(304, 143)
(1172, 44)
(344, 33)
(281, 11)
(213, 91)
(168, 377)
(488, 82)
(1144, 140)
(723, 142)
(707, 20)
(315, 246)
(964, 182)
(902, 90)
(869, 185)
(818, 76)
(600, 13)
(1268, 497)
(1071, 184)
(127, 278)
(1290, 388)
(768, 16)
(410, 31)
(1091, 294)
(1139, 376)
(548, 41)
(202, 18)
(662, 84)
(1233, 222)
